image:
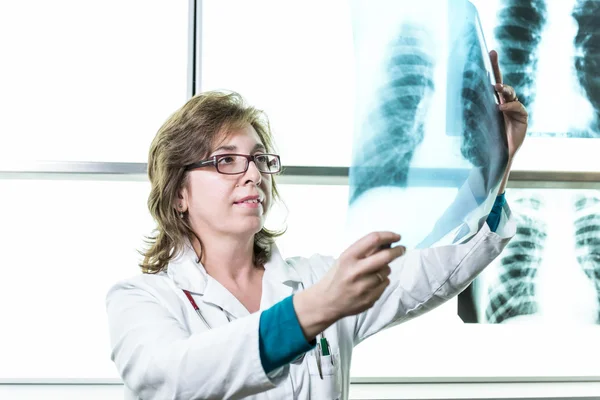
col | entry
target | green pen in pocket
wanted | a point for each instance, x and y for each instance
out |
(324, 347)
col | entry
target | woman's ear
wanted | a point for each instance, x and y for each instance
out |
(181, 203)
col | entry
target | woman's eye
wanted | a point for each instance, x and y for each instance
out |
(226, 160)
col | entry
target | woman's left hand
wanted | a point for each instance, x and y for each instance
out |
(515, 114)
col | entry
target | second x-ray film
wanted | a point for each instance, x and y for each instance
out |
(429, 148)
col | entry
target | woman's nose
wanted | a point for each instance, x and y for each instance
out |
(252, 174)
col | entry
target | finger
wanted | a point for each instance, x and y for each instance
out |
(379, 289)
(495, 66)
(380, 260)
(382, 247)
(385, 271)
(370, 243)
(377, 277)
(508, 92)
(373, 280)
(516, 112)
(514, 107)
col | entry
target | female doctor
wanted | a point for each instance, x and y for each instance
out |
(220, 314)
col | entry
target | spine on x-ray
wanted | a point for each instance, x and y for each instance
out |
(396, 124)
(519, 32)
(587, 57)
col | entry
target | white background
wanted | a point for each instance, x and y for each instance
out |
(89, 81)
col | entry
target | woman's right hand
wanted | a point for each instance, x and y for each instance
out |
(352, 285)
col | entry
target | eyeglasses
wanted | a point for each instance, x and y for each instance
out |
(233, 164)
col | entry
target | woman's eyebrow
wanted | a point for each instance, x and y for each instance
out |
(231, 147)
(259, 146)
(228, 147)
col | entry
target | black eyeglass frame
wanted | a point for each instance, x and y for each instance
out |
(214, 161)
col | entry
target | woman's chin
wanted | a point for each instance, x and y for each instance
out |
(251, 227)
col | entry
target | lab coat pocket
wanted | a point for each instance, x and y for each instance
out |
(330, 387)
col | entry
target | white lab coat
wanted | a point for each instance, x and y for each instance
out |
(163, 350)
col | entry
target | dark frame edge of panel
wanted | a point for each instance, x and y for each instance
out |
(291, 174)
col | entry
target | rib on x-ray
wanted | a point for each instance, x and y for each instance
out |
(398, 118)
(587, 240)
(514, 293)
(427, 118)
(549, 52)
(479, 113)
(587, 44)
(478, 117)
(550, 271)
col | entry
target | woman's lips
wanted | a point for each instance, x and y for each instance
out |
(254, 203)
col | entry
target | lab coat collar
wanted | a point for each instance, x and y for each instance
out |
(186, 272)
(279, 270)
(280, 280)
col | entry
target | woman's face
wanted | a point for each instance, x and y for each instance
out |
(229, 205)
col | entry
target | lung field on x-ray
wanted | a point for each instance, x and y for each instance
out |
(587, 45)
(514, 293)
(522, 26)
(397, 124)
(483, 130)
(519, 33)
(398, 120)
(587, 242)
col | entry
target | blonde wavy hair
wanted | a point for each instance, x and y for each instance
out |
(185, 138)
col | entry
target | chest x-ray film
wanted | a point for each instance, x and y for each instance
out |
(550, 270)
(429, 148)
(549, 49)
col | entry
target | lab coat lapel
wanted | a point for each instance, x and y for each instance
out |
(217, 295)
(187, 273)
(280, 280)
